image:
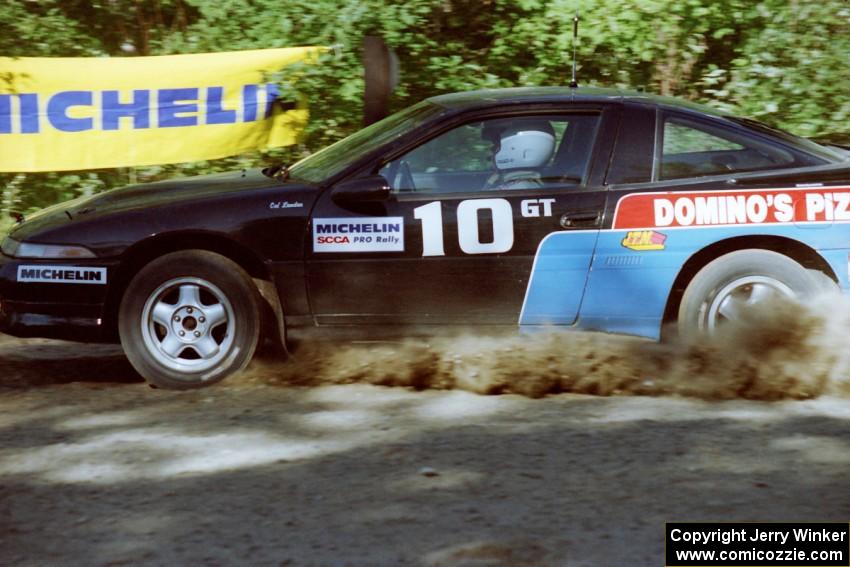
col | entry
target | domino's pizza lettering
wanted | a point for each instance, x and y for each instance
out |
(666, 210)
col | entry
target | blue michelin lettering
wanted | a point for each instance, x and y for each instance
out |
(5, 114)
(172, 113)
(249, 105)
(29, 113)
(216, 114)
(57, 111)
(271, 96)
(111, 110)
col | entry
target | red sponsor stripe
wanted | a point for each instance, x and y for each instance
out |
(724, 208)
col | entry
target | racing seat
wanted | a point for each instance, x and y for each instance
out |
(573, 153)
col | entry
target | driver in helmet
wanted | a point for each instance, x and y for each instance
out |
(520, 148)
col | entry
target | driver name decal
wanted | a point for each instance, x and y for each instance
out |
(724, 208)
(364, 234)
(61, 274)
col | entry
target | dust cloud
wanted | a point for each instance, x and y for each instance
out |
(781, 351)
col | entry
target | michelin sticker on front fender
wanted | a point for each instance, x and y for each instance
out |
(365, 234)
(61, 274)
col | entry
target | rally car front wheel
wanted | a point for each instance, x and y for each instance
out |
(189, 319)
(728, 286)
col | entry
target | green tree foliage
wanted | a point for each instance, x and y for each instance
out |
(780, 61)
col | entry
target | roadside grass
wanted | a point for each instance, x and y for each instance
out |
(5, 225)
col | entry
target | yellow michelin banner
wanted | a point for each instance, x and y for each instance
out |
(88, 113)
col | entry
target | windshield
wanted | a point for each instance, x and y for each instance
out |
(805, 144)
(333, 159)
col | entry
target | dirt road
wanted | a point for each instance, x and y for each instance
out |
(98, 469)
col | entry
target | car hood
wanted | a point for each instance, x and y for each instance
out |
(144, 196)
(174, 190)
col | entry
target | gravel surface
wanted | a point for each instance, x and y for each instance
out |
(98, 469)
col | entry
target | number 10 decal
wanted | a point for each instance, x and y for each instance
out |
(431, 216)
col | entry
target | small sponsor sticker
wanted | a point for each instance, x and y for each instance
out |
(61, 274)
(642, 240)
(363, 234)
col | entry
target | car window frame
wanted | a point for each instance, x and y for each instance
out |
(661, 115)
(600, 154)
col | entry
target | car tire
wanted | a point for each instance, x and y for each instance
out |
(726, 285)
(190, 319)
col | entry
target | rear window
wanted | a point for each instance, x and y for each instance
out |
(692, 148)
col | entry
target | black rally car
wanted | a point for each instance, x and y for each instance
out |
(545, 207)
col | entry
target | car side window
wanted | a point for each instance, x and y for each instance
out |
(461, 149)
(520, 152)
(695, 149)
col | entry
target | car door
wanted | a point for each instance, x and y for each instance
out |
(454, 245)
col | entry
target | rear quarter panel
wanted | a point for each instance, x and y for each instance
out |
(637, 260)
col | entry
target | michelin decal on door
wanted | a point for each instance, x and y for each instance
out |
(364, 234)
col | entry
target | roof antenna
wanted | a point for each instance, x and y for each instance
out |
(573, 83)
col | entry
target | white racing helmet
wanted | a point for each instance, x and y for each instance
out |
(524, 143)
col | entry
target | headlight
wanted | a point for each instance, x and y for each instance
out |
(9, 246)
(46, 251)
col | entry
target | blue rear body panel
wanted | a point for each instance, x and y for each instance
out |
(626, 290)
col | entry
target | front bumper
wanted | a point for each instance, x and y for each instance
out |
(56, 299)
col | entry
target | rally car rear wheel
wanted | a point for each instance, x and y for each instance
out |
(728, 286)
(190, 319)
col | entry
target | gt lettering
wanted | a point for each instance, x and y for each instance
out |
(431, 216)
(531, 207)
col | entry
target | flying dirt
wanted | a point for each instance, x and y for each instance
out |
(781, 351)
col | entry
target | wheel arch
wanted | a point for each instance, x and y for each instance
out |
(803, 254)
(143, 252)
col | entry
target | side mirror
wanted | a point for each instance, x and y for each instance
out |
(362, 190)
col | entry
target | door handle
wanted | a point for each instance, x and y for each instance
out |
(581, 218)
